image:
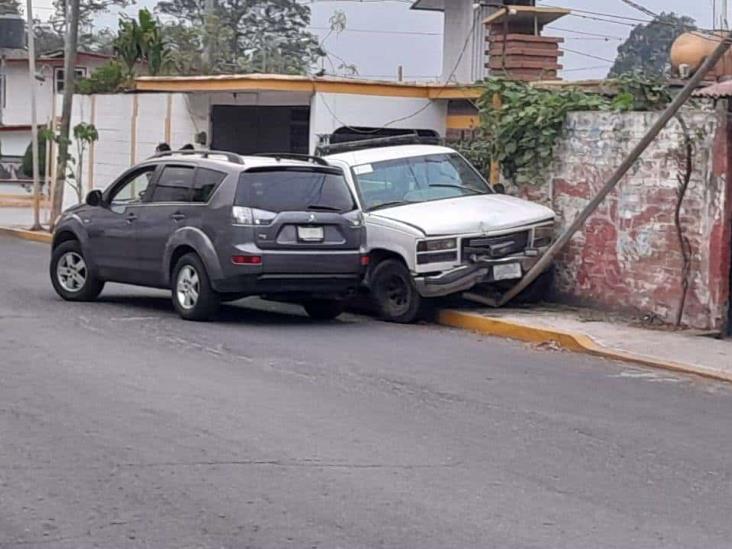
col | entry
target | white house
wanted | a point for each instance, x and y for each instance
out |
(15, 116)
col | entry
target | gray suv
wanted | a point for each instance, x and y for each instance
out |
(213, 227)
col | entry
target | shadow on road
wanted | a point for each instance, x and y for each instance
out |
(245, 311)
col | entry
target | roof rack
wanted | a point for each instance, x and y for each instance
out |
(230, 156)
(360, 144)
(295, 156)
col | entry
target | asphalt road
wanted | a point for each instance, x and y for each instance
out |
(123, 426)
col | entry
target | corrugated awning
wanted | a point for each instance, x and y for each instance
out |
(716, 91)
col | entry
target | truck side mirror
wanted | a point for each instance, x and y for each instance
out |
(498, 188)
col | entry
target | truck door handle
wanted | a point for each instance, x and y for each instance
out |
(131, 217)
(177, 216)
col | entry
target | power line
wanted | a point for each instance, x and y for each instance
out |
(423, 107)
(589, 55)
(378, 31)
(586, 33)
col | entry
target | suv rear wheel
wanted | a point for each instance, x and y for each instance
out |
(193, 297)
(70, 274)
(323, 309)
(394, 292)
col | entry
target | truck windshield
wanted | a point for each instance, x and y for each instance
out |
(294, 189)
(417, 179)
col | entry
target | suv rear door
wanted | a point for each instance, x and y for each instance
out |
(303, 215)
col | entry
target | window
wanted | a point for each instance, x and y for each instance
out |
(205, 184)
(294, 189)
(58, 76)
(174, 185)
(133, 190)
(417, 179)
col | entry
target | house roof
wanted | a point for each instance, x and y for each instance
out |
(308, 84)
(56, 55)
(529, 14)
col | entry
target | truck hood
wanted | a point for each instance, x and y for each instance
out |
(468, 214)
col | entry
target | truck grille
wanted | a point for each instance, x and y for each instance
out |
(496, 247)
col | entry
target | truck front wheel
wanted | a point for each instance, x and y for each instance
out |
(394, 293)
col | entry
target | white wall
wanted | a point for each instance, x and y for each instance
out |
(17, 107)
(330, 111)
(130, 126)
(14, 143)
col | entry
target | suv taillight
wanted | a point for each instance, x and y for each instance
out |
(251, 216)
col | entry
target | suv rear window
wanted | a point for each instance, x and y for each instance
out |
(294, 189)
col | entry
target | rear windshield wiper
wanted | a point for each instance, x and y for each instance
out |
(390, 204)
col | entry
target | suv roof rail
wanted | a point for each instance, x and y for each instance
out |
(205, 153)
(296, 156)
(390, 141)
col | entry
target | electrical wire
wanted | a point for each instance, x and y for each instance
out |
(423, 107)
(591, 56)
(378, 31)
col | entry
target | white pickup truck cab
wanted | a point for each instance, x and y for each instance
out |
(435, 227)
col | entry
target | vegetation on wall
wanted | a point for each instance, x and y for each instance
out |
(521, 130)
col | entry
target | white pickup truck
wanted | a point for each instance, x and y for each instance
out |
(435, 227)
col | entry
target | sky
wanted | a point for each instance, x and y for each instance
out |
(383, 34)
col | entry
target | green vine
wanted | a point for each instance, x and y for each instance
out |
(521, 130)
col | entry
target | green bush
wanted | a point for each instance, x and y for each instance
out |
(109, 78)
(27, 163)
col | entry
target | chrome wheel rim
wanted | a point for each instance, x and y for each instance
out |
(71, 272)
(187, 287)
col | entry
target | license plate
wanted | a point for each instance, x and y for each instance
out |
(310, 234)
(507, 271)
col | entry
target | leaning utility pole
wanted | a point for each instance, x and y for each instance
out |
(635, 154)
(70, 47)
(34, 119)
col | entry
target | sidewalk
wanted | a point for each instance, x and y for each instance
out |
(611, 336)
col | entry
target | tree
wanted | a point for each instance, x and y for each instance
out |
(9, 7)
(646, 51)
(141, 40)
(88, 11)
(260, 35)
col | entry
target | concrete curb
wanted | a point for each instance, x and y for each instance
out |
(570, 341)
(37, 236)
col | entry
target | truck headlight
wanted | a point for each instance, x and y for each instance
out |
(437, 245)
(543, 236)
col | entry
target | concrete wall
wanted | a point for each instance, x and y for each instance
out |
(330, 111)
(628, 255)
(130, 126)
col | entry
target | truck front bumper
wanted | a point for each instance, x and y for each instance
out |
(466, 276)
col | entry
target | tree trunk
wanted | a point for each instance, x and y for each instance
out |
(70, 47)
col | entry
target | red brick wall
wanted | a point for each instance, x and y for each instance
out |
(628, 256)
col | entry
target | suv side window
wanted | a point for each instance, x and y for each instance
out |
(133, 189)
(175, 184)
(205, 184)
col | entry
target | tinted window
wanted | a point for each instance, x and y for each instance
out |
(205, 184)
(285, 190)
(174, 184)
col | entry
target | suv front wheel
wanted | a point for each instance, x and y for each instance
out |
(193, 297)
(70, 274)
(394, 292)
